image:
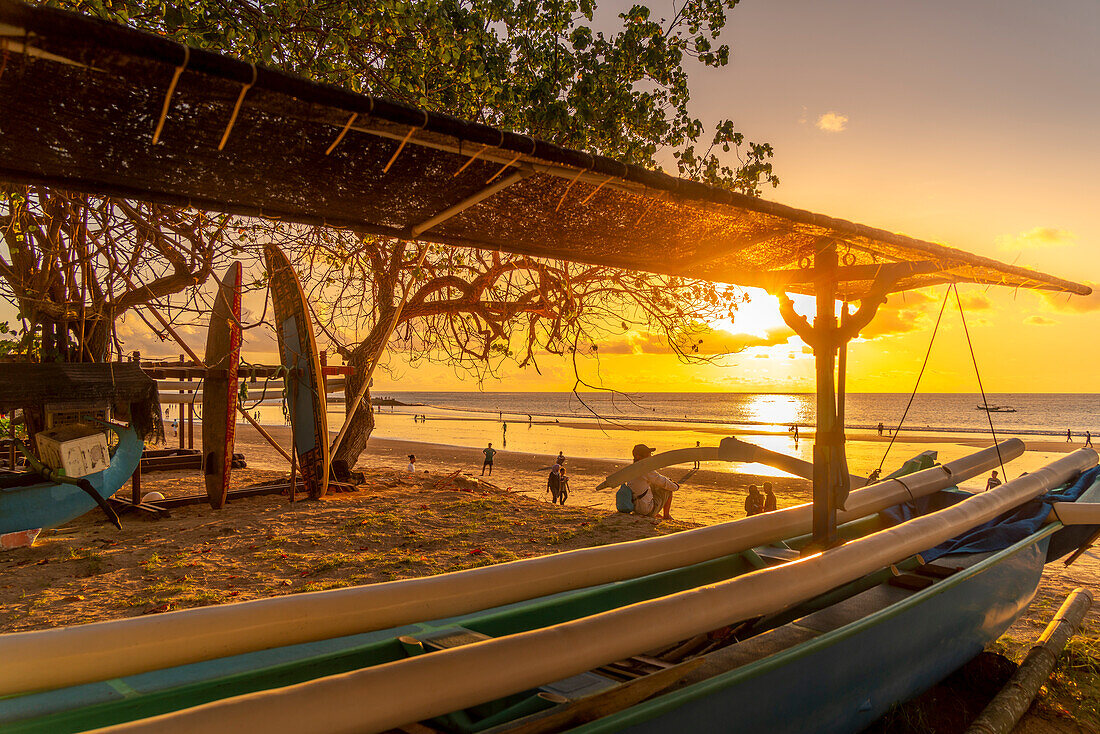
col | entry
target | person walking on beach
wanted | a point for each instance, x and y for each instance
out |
(696, 466)
(489, 452)
(1088, 438)
(770, 504)
(651, 491)
(1069, 435)
(880, 428)
(993, 482)
(754, 502)
(412, 464)
(553, 482)
(563, 486)
(561, 457)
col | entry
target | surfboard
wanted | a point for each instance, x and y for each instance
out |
(305, 393)
(219, 390)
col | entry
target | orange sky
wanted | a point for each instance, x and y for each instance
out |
(971, 124)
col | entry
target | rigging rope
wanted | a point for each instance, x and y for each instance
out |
(985, 402)
(927, 354)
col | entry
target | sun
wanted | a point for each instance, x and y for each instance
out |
(758, 316)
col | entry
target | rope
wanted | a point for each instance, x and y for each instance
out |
(927, 354)
(985, 402)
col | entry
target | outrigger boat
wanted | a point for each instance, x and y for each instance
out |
(812, 618)
(59, 397)
(996, 408)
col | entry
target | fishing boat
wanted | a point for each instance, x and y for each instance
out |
(996, 408)
(813, 618)
(46, 496)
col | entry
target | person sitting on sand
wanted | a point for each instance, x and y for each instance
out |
(412, 464)
(754, 502)
(993, 481)
(651, 491)
(489, 452)
(770, 504)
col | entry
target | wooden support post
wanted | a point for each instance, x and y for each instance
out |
(135, 485)
(191, 418)
(179, 418)
(828, 441)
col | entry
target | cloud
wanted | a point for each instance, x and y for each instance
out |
(832, 122)
(1036, 239)
(1064, 303)
(713, 342)
(1039, 321)
(976, 302)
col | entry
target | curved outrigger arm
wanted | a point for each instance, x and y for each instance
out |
(728, 449)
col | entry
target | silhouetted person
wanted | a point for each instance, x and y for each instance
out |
(992, 482)
(489, 452)
(754, 502)
(770, 504)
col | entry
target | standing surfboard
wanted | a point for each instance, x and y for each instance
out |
(305, 389)
(219, 390)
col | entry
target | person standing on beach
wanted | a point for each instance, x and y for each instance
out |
(553, 482)
(651, 491)
(754, 502)
(770, 504)
(880, 428)
(992, 482)
(697, 458)
(489, 452)
(561, 457)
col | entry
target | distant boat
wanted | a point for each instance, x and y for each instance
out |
(996, 408)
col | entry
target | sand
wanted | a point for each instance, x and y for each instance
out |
(401, 525)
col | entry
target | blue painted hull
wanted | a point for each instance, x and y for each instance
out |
(47, 504)
(846, 679)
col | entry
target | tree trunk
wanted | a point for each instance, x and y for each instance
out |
(362, 424)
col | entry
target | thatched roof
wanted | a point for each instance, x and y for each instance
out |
(82, 100)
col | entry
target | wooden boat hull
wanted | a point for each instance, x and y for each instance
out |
(843, 678)
(305, 392)
(47, 505)
(219, 390)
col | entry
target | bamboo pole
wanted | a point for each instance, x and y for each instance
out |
(349, 410)
(91, 652)
(1007, 707)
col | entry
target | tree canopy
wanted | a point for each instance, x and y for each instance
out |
(553, 69)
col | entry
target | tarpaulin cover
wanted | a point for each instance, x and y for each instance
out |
(999, 533)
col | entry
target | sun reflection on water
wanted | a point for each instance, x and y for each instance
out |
(779, 410)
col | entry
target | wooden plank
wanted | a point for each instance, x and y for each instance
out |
(599, 705)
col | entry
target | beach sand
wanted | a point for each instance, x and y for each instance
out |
(401, 525)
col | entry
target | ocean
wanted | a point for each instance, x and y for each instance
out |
(606, 425)
(1038, 414)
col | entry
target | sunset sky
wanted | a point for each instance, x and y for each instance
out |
(973, 124)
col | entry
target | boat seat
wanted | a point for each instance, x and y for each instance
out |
(777, 553)
(571, 688)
